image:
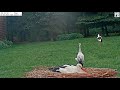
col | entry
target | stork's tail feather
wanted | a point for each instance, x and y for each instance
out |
(56, 69)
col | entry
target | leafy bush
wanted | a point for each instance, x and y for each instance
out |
(5, 44)
(69, 36)
(9, 43)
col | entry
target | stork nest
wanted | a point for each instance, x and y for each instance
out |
(44, 72)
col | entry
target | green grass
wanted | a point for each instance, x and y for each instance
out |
(21, 58)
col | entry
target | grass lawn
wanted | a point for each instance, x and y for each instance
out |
(21, 58)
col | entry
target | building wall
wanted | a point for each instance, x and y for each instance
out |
(2, 27)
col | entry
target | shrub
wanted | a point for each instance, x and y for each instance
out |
(5, 44)
(8, 42)
(69, 36)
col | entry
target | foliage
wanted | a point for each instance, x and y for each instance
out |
(94, 31)
(40, 26)
(98, 20)
(95, 18)
(9, 43)
(5, 44)
(44, 26)
(69, 36)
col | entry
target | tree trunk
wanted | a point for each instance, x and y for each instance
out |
(103, 31)
(87, 31)
(51, 36)
(106, 31)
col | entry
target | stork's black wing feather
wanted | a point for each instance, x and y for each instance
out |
(54, 69)
(99, 37)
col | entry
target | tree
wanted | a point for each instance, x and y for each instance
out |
(101, 19)
(41, 26)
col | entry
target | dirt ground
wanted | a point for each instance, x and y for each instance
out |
(44, 72)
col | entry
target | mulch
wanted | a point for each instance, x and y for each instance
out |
(44, 72)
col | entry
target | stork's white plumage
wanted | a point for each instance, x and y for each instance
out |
(72, 69)
(68, 69)
(99, 38)
(80, 56)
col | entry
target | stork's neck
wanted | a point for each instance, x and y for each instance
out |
(98, 35)
(79, 47)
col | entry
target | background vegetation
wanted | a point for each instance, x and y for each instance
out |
(46, 26)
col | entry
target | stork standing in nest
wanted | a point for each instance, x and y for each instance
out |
(99, 38)
(80, 56)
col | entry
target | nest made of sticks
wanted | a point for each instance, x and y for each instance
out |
(44, 72)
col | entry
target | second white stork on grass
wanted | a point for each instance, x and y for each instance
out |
(99, 38)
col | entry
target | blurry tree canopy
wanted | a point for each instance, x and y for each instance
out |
(44, 26)
(98, 20)
(40, 26)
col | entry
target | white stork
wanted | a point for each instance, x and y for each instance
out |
(80, 56)
(69, 69)
(99, 38)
